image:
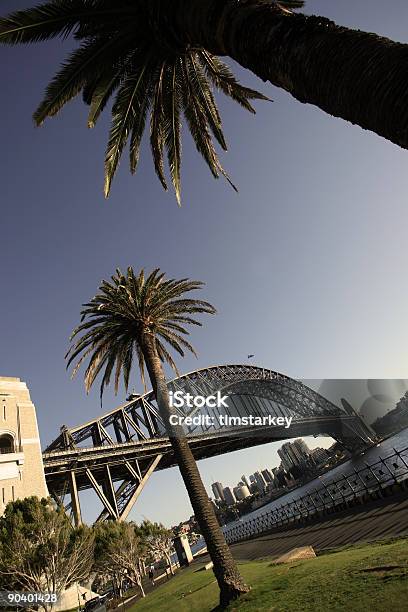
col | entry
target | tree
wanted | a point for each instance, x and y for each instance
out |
(164, 56)
(137, 316)
(119, 550)
(39, 549)
(159, 541)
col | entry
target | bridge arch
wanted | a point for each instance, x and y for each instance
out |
(116, 453)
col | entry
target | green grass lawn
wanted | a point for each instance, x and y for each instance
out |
(372, 577)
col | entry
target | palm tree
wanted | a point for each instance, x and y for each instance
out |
(163, 57)
(138, 317)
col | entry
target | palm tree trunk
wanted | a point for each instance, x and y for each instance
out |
(226, 571)
(358, 76)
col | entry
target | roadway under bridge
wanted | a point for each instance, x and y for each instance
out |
(115, 454)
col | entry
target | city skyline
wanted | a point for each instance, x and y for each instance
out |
(266, 475)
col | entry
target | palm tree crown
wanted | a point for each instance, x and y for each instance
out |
(121, 56)
(115, 321)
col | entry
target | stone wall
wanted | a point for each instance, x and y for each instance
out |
(21, 471)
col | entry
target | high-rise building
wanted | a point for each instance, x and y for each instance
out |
(245, 492)
(260, 481)
(293, 453)
(218, 490)
(287, 456)
(302, 447)
(241, 492)
(229, 497)
(245, 481)
(267, 474)
(319, 455)
(254, 488)
(214, 505)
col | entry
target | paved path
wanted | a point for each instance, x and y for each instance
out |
(379, 519)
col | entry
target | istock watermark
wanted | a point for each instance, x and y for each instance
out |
(179, 399)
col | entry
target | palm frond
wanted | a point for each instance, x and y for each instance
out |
(223, 79)
(126, 108)
(199, 129)
(121, 58)
(138, 128)
(172, 124)
(102, 89)
(74, 76)
(125, 309)
(56, 18)
(156, 128)
(203, 92)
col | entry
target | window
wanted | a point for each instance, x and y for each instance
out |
(6, 443)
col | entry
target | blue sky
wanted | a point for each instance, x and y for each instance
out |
(306, 265)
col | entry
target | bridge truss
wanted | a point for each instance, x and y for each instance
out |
(116, 453)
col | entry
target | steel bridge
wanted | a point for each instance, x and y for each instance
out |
(115, 454)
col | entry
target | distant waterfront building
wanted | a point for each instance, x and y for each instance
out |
(260, 481)
(394, 420)
(285, 456)
(293, 453)
(214, 504)
(254, 488)
(241, 492)
(229, 496)
(302, 447)
(319, 455)
(245, 481)
(237, 493)
(21, 466)
(268, 476)
(245, 492)
(218, 490)
(274, 484)
(253, 485)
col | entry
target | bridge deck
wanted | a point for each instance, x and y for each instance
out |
(59, 463)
